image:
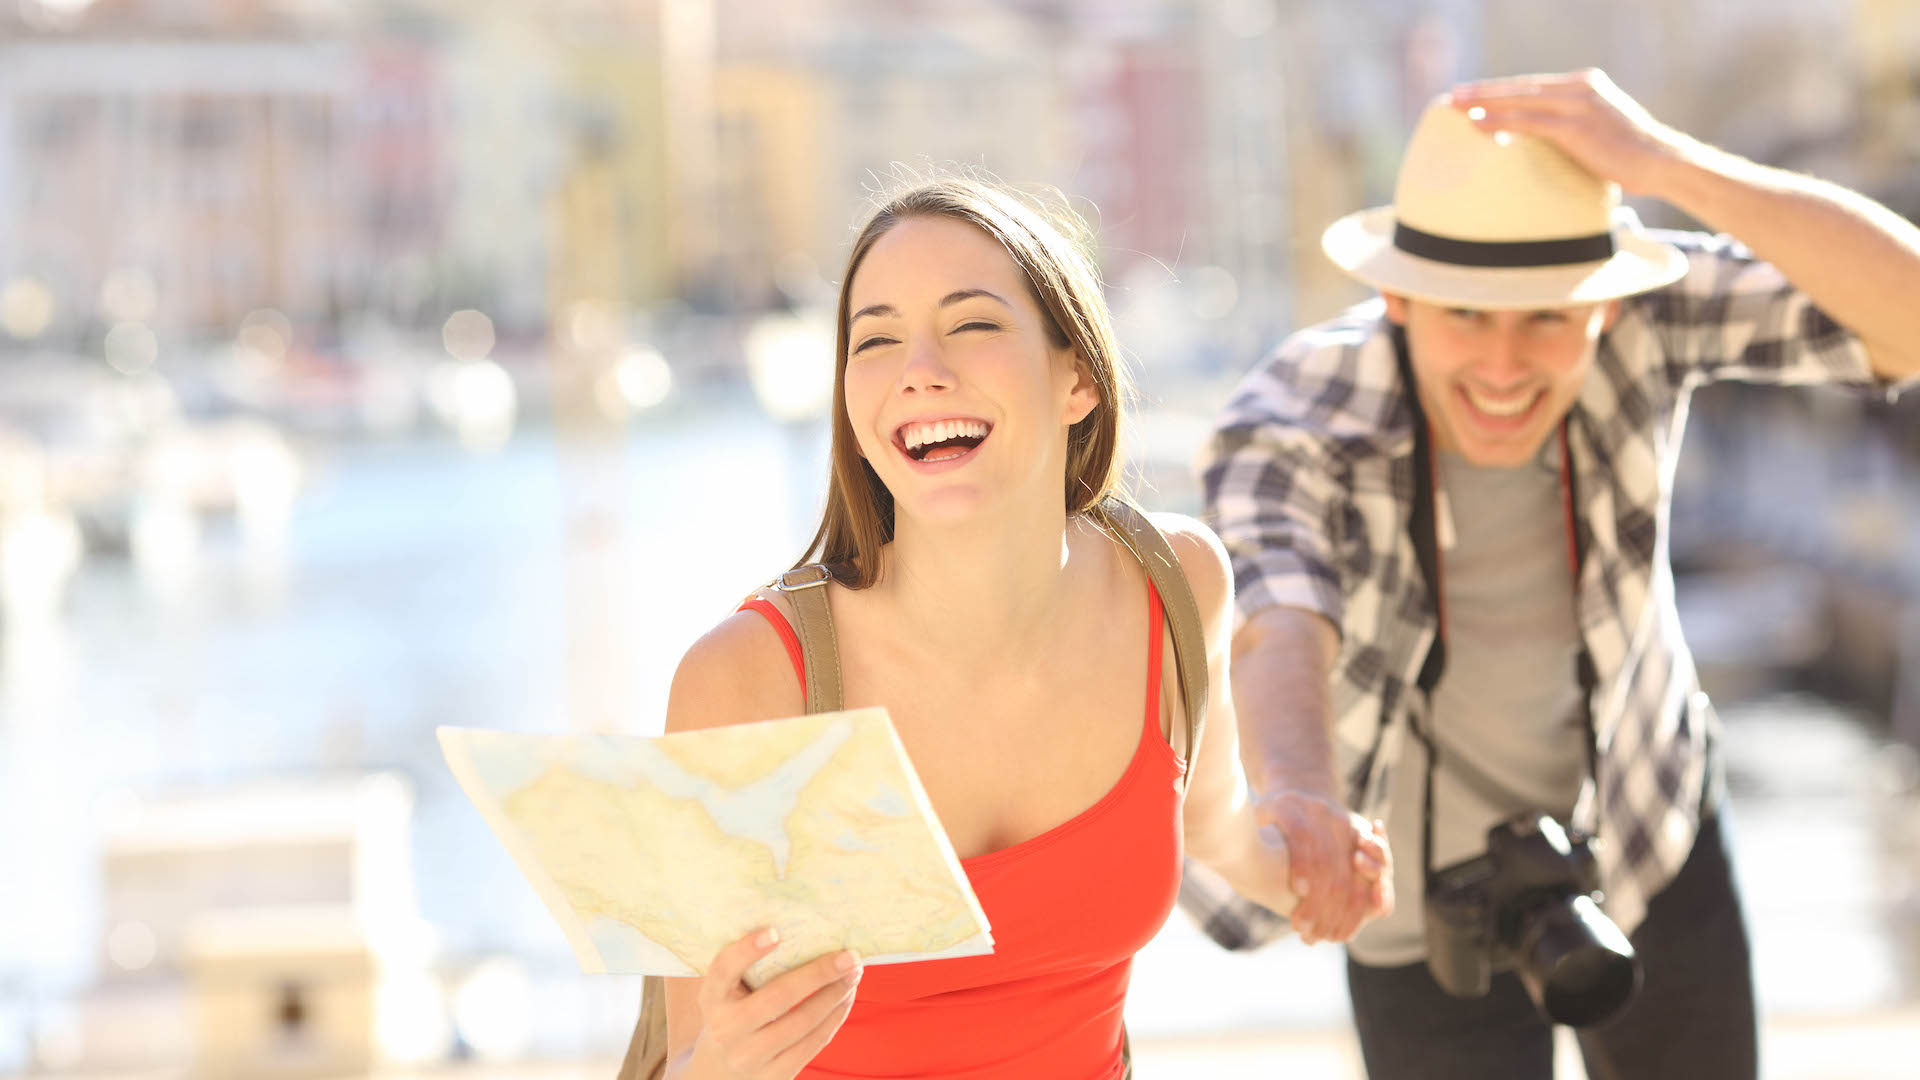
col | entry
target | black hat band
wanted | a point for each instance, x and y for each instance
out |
(1504, 254)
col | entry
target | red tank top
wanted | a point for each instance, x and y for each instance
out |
(1069, 908)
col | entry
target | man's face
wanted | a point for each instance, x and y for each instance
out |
(1495, 383)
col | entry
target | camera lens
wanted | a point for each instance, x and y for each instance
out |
(1578, 967)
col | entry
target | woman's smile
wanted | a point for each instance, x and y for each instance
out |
(940, 441)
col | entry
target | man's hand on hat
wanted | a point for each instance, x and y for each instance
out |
(1583, 113)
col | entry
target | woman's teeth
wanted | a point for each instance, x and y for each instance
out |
(917, 435)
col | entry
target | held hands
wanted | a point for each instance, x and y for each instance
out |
(1338, 862)
(773, 1032)
(1585, 115)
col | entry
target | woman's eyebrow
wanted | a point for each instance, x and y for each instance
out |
(967, 294)
(951, 298)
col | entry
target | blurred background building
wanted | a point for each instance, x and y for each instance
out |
(372, 364)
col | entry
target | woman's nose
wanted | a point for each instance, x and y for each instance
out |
(926, 370)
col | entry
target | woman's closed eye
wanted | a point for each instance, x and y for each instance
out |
(881, 339)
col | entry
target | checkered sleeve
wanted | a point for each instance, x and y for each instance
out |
(1736, 317)
(1274, 488)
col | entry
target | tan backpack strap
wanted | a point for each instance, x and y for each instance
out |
(806, 592)
(1150, 546)
(647, 1050)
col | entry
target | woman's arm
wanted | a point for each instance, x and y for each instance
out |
(1222, 831)
(717, 1028)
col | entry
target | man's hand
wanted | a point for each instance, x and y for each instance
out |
(1585, 115)
(1340, 867)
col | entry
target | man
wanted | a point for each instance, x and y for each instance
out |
(1553, 345)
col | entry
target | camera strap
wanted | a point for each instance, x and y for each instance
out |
(1423, 528)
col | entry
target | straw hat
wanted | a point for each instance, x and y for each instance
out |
(1500, 220)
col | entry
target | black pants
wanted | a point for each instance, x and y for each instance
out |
(1694, 1018)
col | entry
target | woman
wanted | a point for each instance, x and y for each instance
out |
(1019, 649)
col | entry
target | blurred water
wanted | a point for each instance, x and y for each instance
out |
(548, 586)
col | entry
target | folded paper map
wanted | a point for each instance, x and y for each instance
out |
(654, 853)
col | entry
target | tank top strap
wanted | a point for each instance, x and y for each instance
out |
(1156, 624)
(787, 636)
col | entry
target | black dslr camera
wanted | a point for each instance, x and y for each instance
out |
(1527, 905)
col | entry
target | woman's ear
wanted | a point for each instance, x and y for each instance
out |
(1084, 396)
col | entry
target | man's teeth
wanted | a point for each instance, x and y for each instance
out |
(1512, 406)
(918, 435)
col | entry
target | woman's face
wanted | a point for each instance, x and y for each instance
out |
(956, 395)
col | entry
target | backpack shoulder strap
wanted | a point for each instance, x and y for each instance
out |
(1149, 545)
(805, 590)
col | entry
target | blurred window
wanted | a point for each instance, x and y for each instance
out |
(124, 116)
(207, 125)
(312, 122)
(55, 124)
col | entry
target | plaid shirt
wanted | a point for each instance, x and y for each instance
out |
(1309, 482)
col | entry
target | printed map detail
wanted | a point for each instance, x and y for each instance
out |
(653, 853)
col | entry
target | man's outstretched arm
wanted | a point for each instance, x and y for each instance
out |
(1282, 667)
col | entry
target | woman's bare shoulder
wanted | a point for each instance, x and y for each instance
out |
(738, 672)
(1203, 558)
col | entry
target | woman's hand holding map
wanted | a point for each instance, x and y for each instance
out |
(769, 1033)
